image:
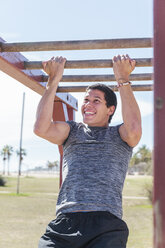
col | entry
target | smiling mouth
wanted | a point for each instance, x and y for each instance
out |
(88, 113)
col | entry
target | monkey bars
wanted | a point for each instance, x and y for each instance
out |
(32, 66)
(30, 73)
(76, 45)
(81, 64)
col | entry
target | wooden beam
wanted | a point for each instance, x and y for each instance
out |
(11, 64)
(80, 64)
(20, 76)
(76, 45)
(60, 113)
(147, 87)
(100, 78)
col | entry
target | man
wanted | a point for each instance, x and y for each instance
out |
(96, 157)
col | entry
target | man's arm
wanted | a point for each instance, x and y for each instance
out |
(131, 130)
(55, 132)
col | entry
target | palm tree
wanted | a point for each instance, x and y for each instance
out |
(21, 155)
(142, 155)
(142, 159)
(9, 154)
(51, 165)
(4, 154)
(134, 160)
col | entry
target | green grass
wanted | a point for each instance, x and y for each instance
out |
(138, 212)
(24, 217)
(139, 220)
(15, 194)
(135, 185)
(32, 185)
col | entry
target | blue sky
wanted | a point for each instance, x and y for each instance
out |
(68, 20)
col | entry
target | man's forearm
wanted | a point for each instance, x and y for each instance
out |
(130, 110)
(54, 68)
(45, 109)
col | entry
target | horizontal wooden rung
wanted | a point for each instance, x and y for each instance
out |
(76, 45)
(80, 64)
(100, 78)
(148, 87)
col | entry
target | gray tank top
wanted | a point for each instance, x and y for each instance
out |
(95, 163)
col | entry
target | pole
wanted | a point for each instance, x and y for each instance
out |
(159, 124)
(79, 64)
(75, 45)
(20, 148)
(66, 89)
(100, 78)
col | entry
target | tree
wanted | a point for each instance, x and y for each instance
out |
(144, 154)
(9, 154)
(142, 159)
(4, 154)
(2, 181)
(21, 155)
(51, 165)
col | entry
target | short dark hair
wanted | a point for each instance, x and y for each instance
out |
(109, 95)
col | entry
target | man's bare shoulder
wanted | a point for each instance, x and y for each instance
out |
(57, 132)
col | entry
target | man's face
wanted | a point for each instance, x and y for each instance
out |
(94, 109)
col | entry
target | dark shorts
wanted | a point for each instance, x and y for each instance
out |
(85, 230)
